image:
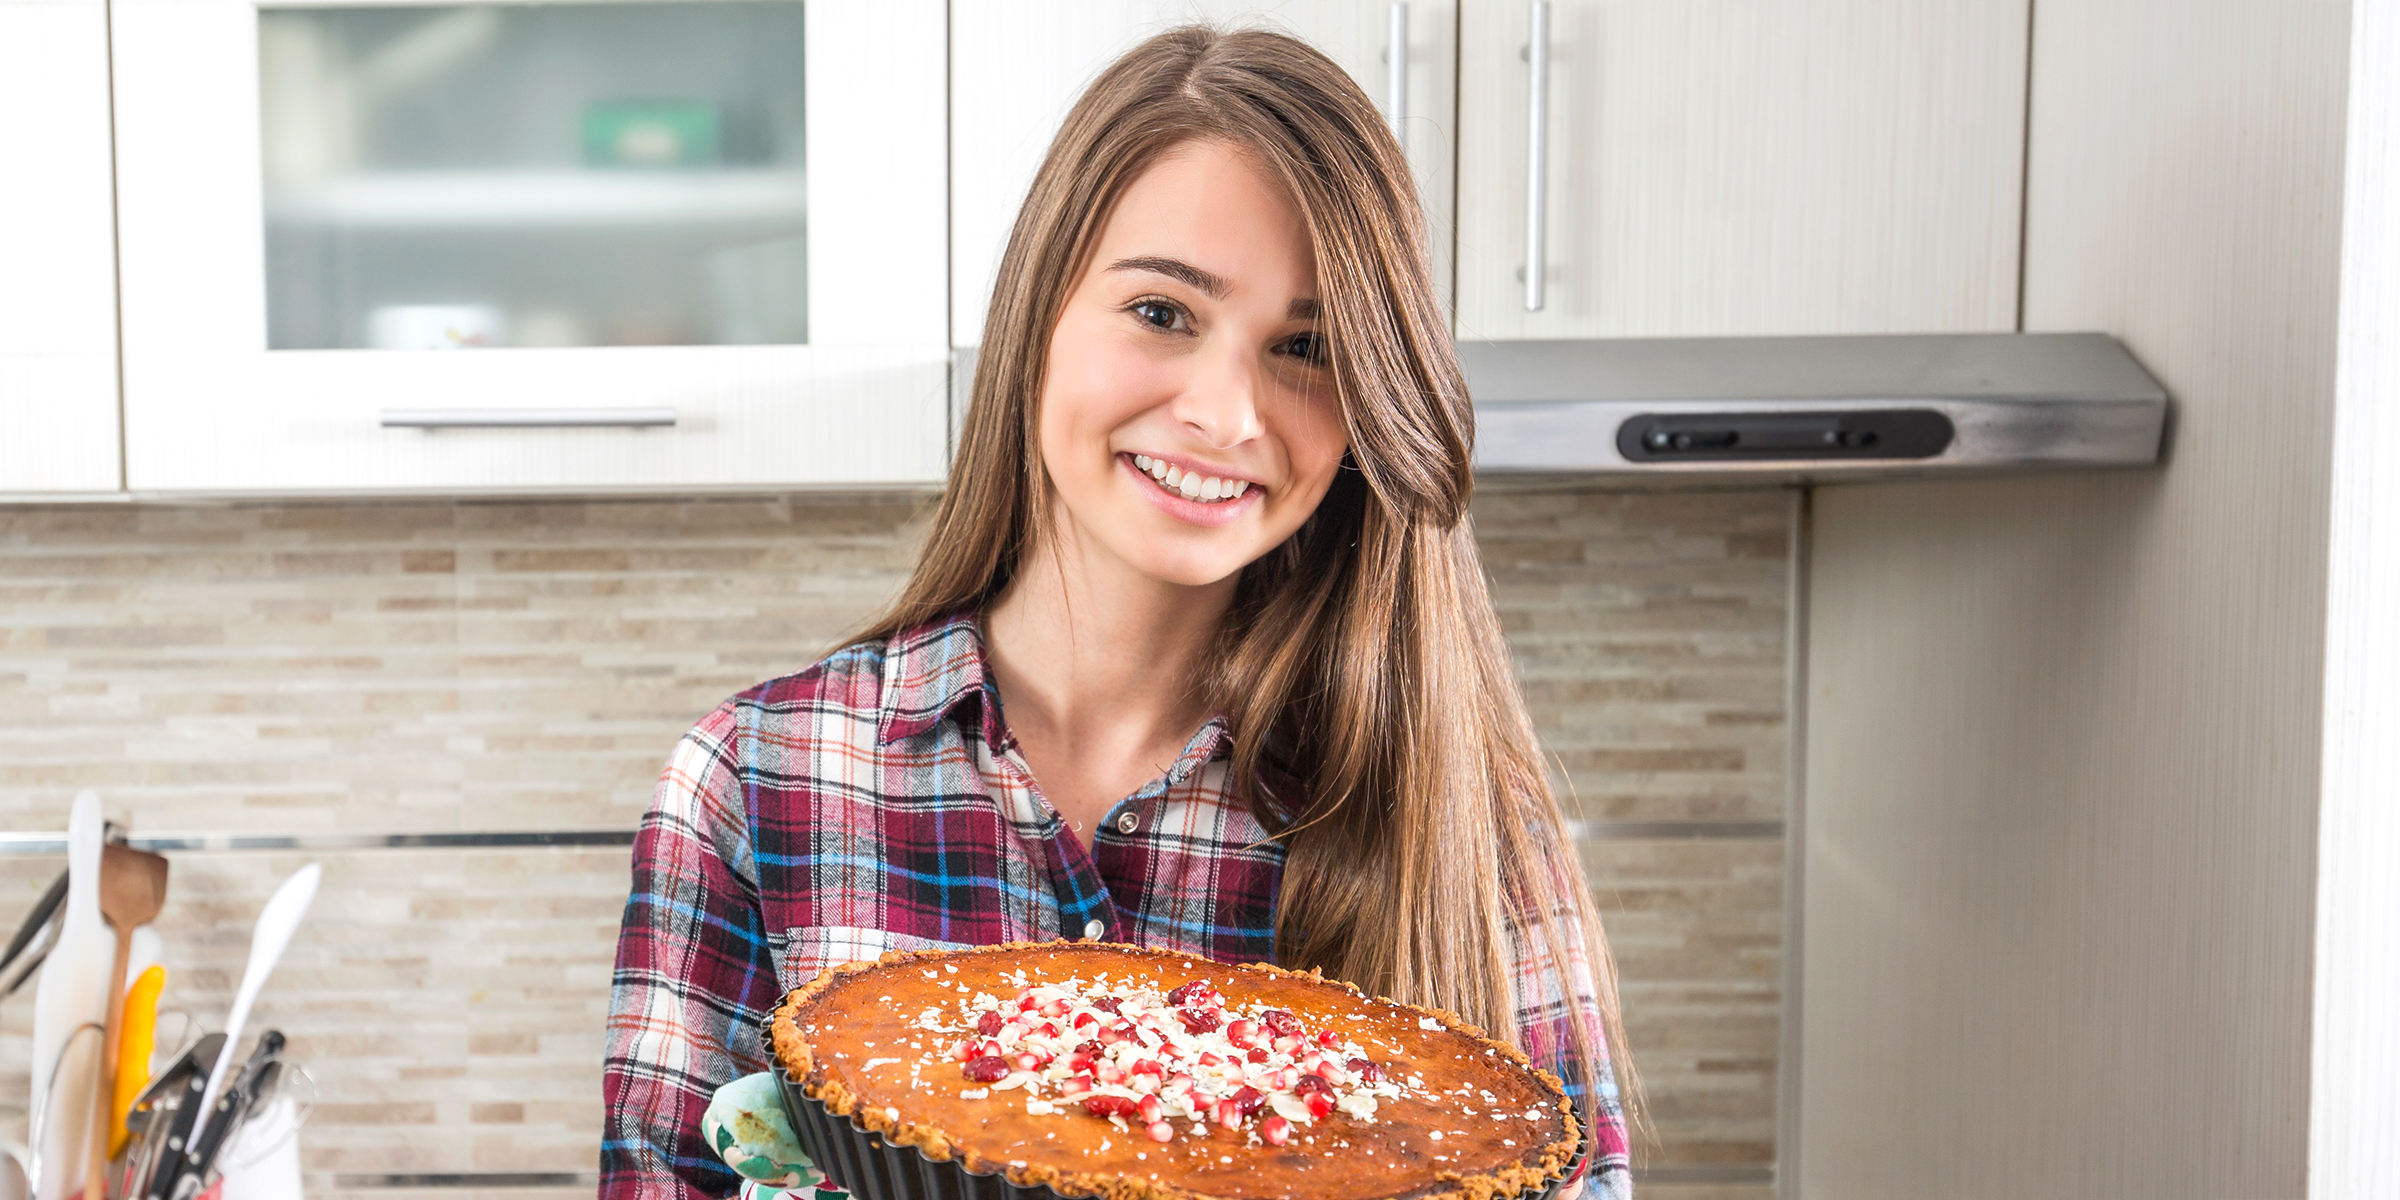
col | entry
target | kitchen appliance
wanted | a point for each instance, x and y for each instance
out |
(1768, 409)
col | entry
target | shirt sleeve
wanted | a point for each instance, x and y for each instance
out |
(693, 977)
(1551, 1002)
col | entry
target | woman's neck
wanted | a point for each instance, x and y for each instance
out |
(1096, 664)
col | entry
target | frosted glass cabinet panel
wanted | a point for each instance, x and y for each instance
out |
(1021, 64)
(616, 174)
(58, 305)
(512, 246)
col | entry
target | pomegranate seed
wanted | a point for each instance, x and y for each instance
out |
(1142, 1082)
(1287, 1045)
(1328, 1071)
(1314, 1093)
(1027, 1004)
(1083, 1019)
(1248, 1100)
(1209, 1060)
(1283, 1023)
(1258, 1054)
(1326, 1039)
(1056, 1008)
(1151, 1109)
(989, 1023)
(1366, 1071)
(1227, 1115)
(1275, 1130)
(1197, 1021)
(1092, 1047)
(1160, 1131)
(1287, 1077)
(1109, 1035)
(991, 1068)
(1100, 1104)
(988, 1047)
(1028, 1060)
(1197, 991)
(1075, 1085)
(1108, 1072)
(1106, 1004)
(1241, 1033)
(964, 1050)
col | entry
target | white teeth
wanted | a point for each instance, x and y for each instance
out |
(1191, 485)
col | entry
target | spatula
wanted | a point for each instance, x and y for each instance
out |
(133, 887)
(276, 924)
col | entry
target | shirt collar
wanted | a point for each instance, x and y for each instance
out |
(927, 671)
(935, 667)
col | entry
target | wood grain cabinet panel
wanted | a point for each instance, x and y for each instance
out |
(1735, 167)
(58, 317)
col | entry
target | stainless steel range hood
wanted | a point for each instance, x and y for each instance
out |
(1761, 409)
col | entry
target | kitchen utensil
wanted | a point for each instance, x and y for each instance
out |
(168, 1148)
(60, 1106)
(227, 1116)
(73, 992)
(153, 1112)
(133, 1053)
(43, 910)
(133, 888)
(36, 953)
(276, 924)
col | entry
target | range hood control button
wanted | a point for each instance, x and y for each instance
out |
(1883, 433)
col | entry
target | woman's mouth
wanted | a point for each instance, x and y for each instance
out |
(1190, 485)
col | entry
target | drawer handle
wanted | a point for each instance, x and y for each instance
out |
(527, 418)
(1397, 81)
(1537, 150)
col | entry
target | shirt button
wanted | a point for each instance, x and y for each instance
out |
(1093, 929)
(1128, 821)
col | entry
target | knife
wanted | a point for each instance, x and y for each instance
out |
(173, 1150)
(151, 1119)
(231, 1108)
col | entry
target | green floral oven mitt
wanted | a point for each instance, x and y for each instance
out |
(746, 1125)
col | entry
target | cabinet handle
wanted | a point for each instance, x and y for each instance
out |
(1537, 150)
(527, 418)
(1397, 81)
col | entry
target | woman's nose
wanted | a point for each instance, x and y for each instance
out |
(1219, 403)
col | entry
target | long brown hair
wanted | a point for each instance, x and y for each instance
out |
(1376, 723)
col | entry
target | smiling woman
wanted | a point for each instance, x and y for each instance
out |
(1198, 654)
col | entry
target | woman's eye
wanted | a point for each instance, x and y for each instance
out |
(1157, 314)
(1307, 347)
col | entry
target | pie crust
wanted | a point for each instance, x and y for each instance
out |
(1477, 1120)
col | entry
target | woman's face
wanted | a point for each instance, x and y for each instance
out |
(1188, 418)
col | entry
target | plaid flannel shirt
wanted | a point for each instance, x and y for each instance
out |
(876, 802)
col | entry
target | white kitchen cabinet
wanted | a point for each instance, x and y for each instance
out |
(1017, 66)
(1735, 167)
(371, 247)
(58, 318)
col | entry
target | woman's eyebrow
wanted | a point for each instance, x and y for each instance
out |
(1176, 269)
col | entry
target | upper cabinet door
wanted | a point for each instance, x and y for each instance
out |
(1018, 65)
(58, 299)
(1733, 167)
(371, 246)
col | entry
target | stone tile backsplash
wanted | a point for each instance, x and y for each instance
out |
(423, 665)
